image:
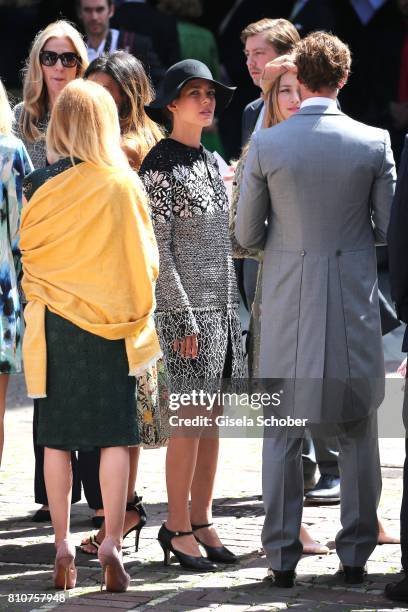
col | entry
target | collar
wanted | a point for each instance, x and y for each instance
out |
(319, 101)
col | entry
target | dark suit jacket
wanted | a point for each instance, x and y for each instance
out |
(398, 244)
(249, 118)
(318, 15)
(142, 48)
(145, 19)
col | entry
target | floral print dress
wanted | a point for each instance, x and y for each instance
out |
(14, 165)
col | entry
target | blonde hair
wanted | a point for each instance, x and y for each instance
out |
(6, 114)
(84, 125)
(273, 114)
(35, 96)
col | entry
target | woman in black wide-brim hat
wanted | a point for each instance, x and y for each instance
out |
(197, 300)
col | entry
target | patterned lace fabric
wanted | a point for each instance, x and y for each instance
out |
(196, 289)
(36, 150)
(238, 251)
(37, 178)
(190, 214)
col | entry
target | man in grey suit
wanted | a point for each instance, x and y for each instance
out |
(326, 204)
(264, 41)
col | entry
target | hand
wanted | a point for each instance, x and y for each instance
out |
(187, 347)
(402, 370)
(231, 173)
(275, 69)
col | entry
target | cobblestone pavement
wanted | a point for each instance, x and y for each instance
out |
(26, 554)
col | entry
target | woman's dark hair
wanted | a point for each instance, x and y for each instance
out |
(137, 91)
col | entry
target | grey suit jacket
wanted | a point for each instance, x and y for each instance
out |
(324, 183)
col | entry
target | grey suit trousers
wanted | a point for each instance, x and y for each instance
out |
(282, 483)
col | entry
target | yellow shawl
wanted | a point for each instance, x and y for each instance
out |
(90, 256)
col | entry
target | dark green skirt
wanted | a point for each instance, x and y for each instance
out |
(91, 399)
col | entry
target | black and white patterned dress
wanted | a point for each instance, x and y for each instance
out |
(196, 289)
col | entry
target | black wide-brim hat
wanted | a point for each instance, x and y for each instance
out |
(174, 80)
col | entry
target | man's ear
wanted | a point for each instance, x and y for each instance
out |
(343, 80)
(172, 106)
(112, 10)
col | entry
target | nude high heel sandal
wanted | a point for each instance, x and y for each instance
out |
(65, 573)
(114, 576)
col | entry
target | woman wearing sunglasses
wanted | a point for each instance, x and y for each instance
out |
(58, 55)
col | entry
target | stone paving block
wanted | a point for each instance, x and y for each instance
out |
(220, 596)
(345, 597)
(90, 608)
(264, 597)
(232, 607)
(42, 553)
(272, 607)
(187, 597)
(102, 604)
(252, 573)
(164, 607)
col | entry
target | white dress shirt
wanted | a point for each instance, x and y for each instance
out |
(319, 101)
(260, 120)
(94, 53)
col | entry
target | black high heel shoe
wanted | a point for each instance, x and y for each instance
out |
(133, 506)
(196, 564)
(136, 506)
(219, 554)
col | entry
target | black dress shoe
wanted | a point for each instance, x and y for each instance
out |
(41, 516)
(397, 591)
(309, 483)
(327, 490)
(283, 579)
(196, 564)
(353, 574)
(218, 554)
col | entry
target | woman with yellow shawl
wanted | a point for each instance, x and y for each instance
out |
(90, 262)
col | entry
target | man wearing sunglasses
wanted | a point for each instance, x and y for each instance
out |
(95, 16)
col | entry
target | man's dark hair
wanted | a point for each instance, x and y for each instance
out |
(109, 2)
(322, 60)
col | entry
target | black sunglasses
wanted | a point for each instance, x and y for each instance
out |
(68, 60)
